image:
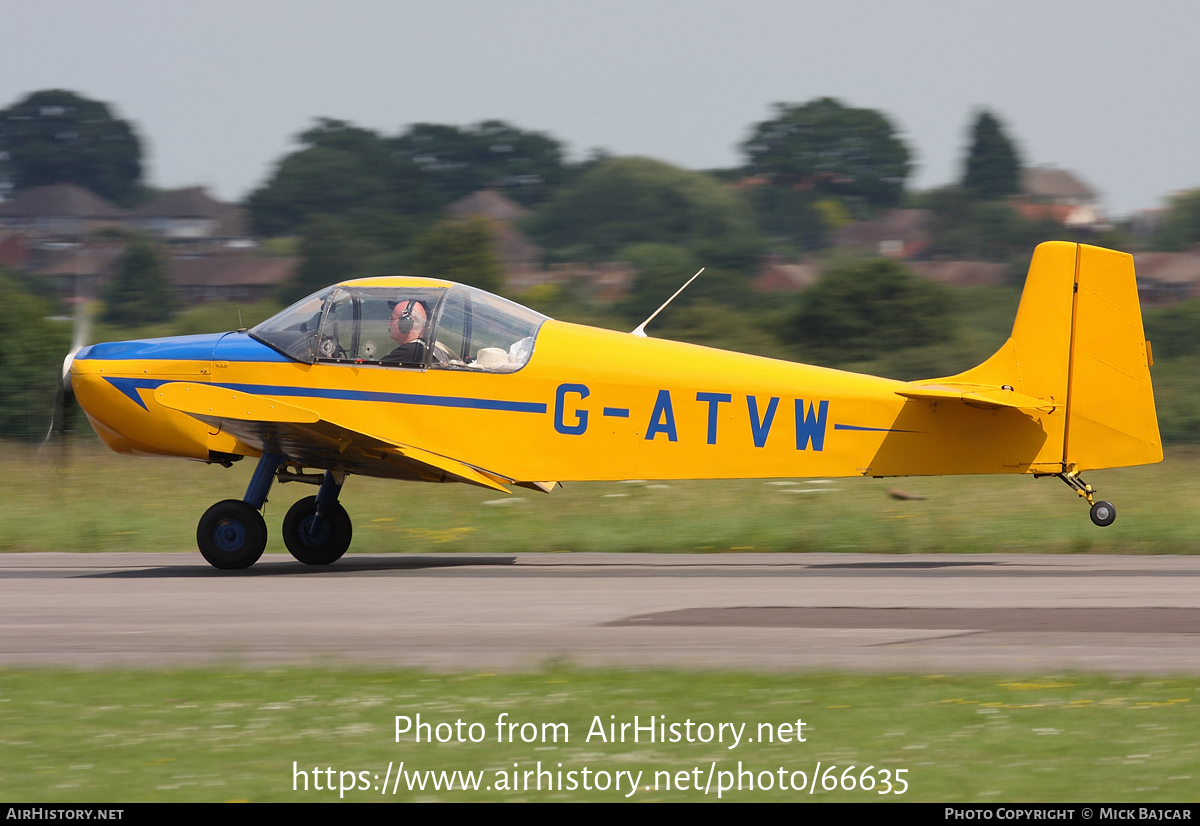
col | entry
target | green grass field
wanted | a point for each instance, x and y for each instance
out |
(85, 498)
(233, 735)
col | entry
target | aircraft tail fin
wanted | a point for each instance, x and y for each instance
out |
(1078, 344)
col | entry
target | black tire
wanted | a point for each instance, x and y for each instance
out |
(327, 542)
(231, 535)
(1104, 514)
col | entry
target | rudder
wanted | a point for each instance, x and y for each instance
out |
(1111, 420)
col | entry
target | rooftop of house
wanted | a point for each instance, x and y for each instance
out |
(489, 204)
(1044, 182)
(189, 202)
(60, 201)
(230, 270)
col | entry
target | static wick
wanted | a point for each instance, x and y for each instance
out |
(640, 330)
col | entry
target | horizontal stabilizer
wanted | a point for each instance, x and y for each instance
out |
(976, 395)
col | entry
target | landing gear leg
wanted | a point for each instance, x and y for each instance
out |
(317, 530)
(1103, 513)
(232, 533)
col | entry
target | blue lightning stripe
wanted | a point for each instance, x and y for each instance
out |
(617, 412)
(873, 429)
(395, 398)
(130, 387)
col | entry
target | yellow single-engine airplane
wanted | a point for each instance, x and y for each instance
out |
(484, 391)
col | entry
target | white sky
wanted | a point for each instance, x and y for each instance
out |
(1107, 89)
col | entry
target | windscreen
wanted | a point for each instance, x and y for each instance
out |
(378, 325)
(293, 332)
(462, 328)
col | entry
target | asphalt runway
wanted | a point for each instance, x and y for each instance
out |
(914, 614)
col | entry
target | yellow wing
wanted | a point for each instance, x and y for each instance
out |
(270, 425)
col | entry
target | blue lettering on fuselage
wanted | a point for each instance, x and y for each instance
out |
(810, 427)
(581, 416)
(811, 423)
(662, 420)
(760, 429)
(713, 400)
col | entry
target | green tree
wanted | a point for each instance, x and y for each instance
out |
(992, 169)
(58, 137)
(1174, 330)
(140, 291)
(857, 312)
(342, 171)
(634, 200)
(791, 216)
(460, 160)
(965, 227)
(661, 269)
(460, 251)
(329, 254)
(1180, 228)
(29, 374)
(830, 150)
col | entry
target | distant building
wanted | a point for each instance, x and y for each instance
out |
(1054, 194)
(521, 257)
(961, 273)
(73, 267)
(1167, 277)
(487, 203)
(898, 233)
(776, 275)
(13, 252)
(61, 210)
(189, 214)
(1048, 185)
(50, 234)
(1145, 223)
(200, 279)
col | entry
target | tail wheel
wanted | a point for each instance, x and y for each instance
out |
(231, 535)
(1104, 514)
(313, 539)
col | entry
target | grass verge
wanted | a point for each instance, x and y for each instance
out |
(223, 735)
(86, 498)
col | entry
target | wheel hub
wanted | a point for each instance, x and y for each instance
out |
(315, 531)
(229, 535)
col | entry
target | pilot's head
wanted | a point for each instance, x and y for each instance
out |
(407, 322)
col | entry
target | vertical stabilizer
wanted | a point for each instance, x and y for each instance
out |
(1078, 342)
(1036, 359)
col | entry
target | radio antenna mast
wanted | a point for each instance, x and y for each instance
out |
(640, 330)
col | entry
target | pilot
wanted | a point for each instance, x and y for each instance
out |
(406, 327)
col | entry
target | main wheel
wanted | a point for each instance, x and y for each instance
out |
(231, 535)
(1104, 514)
(317, 540)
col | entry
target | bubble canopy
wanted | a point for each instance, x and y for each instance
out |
(405, 323)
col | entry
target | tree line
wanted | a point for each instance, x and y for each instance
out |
(352, 201)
